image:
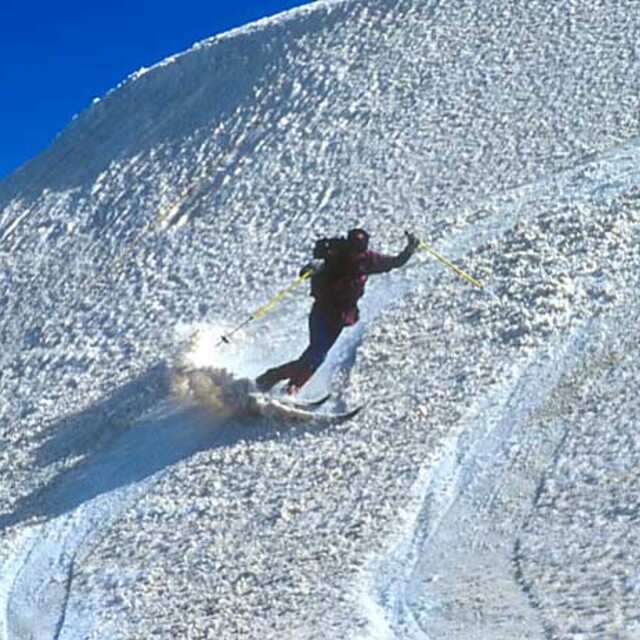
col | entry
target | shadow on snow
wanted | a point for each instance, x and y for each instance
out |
(133, 434)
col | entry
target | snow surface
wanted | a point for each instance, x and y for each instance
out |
(489, 489)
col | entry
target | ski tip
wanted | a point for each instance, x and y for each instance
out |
(316, 402)
(347, 415)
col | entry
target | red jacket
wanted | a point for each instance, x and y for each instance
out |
(339, 285)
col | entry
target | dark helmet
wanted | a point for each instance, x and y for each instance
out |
(358, 239)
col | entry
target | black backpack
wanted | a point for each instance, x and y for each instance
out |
(335, 253)
(331, 250)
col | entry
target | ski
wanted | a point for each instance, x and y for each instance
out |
(272, 407)
(318, 416)
(305, 404)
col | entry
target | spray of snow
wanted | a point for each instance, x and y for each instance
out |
(201, 377)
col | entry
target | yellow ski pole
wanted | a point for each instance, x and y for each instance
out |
(458, 270)
(266, 307)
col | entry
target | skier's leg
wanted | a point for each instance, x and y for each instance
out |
(324, 329)
(314, 353)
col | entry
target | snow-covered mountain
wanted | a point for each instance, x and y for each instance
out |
(489, 490)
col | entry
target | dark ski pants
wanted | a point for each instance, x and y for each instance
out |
(325, 325)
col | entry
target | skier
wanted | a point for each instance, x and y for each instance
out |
(339, 272)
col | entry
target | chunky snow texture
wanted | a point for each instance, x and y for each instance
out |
(490, 488)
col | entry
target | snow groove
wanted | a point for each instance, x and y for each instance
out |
(65, 600)
(76, 507)
(407, 596)
(407, 589)
(520, 579)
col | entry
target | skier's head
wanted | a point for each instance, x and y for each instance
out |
(358, 239)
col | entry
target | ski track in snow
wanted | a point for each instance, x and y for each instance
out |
(196, 188)
(466, 474)
(82, 505)
(414, 591)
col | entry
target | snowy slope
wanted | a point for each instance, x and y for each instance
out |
(489, 488)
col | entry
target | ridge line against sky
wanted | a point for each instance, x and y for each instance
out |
(59, 57)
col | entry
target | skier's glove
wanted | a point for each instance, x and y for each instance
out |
(412, 241)
(311, 268)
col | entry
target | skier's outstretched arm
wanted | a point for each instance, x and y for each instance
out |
(380, 263)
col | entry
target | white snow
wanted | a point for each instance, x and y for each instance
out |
(489, 489)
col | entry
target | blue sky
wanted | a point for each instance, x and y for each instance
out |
(57, 56)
